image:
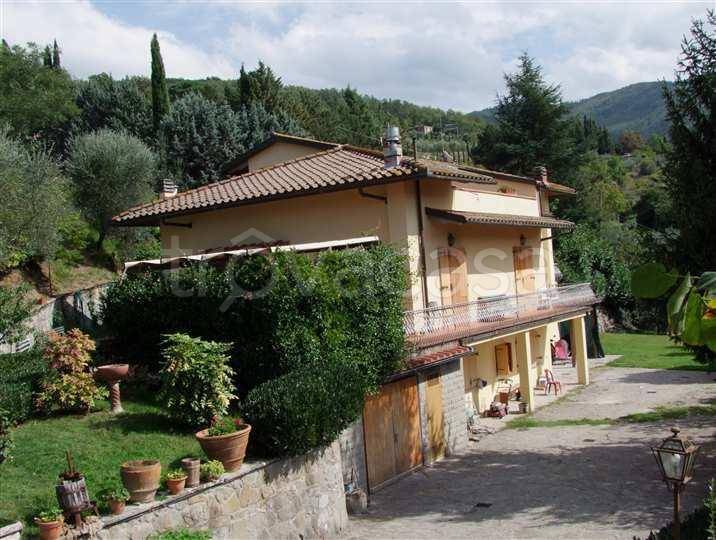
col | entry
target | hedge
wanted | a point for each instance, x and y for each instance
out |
(20, 375)
(296, 321)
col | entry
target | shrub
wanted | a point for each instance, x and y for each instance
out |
(306, 408)
(211, 470)
(6, 444)
(69, 385)
(15, 310)
(196, 379)
(20, 377)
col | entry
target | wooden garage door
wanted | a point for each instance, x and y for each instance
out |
(391, 423)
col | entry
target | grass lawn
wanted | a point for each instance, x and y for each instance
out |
(649, 351)
(99, 443)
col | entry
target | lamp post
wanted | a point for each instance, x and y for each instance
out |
(676, 456)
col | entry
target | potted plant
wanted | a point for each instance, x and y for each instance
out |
(50, 522)
(175, 480)
(191, 468)
(226, 441)
(141, 478)
(211, 470)
(116, 498)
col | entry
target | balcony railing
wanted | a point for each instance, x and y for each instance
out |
(440, 324)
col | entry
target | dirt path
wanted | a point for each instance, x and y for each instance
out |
(567, 482)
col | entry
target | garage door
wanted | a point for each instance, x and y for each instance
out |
(391, 423)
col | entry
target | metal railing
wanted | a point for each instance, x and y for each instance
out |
(462, 319)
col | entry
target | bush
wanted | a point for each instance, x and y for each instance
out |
(15, 310)
(6, 444)
(20, 376)
(69, 385)
(196, 379)
(306, 408)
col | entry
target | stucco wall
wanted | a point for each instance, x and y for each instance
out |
(300, 497)
(316, 218)
(279, 152)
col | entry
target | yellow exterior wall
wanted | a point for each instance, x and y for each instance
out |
(316, 218)
(279, 152)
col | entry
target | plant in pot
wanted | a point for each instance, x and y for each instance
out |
(175, 481)
(226, 441)
(116, 499)
(141, 478)
(50, 522)
(211, 470)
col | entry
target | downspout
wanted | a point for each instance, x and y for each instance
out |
(423, 266)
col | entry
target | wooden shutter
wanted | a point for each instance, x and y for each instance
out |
(503, 359)
(453, 276)
(523, 258)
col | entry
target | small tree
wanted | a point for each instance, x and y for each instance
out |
(111, 171)
(56, 55)
(15, 310)
(160, 93)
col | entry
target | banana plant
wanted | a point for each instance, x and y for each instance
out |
(691, 307)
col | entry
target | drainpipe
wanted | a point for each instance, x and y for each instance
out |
(423, 266)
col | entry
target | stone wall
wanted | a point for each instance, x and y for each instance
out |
(299, 497)
(454, 418)
(13, 531)
(352, 446)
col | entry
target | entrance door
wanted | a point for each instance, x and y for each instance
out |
(436, 428)
(524, 270)
(391, 423)
(453, 276)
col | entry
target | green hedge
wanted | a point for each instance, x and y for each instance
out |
(20, 375)
(288, 315)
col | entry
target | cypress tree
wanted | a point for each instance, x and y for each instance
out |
(160, 92)
(47, 57)
(55, 56)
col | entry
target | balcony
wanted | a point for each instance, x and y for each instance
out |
(426, 327)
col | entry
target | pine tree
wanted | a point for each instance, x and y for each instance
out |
(56, 56)
(160, 92)
(691, 162)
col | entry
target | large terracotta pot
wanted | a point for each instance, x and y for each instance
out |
(230, 449)
(141, 478)
(50, 530)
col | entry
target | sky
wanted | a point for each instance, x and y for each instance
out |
(445, 54)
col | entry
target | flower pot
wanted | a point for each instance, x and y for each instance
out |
(230, 449)
(191, 468)
(116, 507)
(175, 485)
(141, 478)
(50, 530)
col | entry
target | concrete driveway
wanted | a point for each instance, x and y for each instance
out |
(556, 482)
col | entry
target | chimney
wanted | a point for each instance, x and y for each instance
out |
(169, 189)
(541, 173)
(392, 151)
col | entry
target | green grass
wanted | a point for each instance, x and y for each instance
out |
(99, 443)
(530, 422)
(649, 351)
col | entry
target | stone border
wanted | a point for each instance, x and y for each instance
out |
(13, 531)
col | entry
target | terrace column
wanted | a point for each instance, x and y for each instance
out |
(578, 337)
(527, 377)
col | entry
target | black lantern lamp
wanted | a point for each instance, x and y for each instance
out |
(676, 456)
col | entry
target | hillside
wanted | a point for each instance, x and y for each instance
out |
(637, 107)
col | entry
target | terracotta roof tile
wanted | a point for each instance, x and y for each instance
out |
(425, 360)
(327, 170)
(485, 218)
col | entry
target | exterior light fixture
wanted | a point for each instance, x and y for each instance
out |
(451, 239)
(523, 240)
(675, 457)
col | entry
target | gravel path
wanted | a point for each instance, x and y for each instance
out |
(567, 482)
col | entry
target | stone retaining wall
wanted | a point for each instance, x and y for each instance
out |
(299, 497)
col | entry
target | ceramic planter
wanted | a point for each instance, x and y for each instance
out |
(116, 507)
(175, 485)
(191, 467)
(230, 449)
(141, 478)
(50, 530)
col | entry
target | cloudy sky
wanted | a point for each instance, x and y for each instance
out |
(432, 53)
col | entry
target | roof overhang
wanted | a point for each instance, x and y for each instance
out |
(500, 220)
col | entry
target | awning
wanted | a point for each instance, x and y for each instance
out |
(215, 256)
(508, 220)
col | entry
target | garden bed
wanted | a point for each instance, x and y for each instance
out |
(99, 442)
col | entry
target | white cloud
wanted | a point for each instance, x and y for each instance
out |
(443, 54)
(92, 42)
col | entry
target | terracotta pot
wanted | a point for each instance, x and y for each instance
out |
(116, 507)
(141, 478)
(230, 449)
(191, 467)
(175, 486)
(50, 530)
